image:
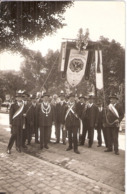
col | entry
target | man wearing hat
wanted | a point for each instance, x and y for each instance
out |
(60, 109)
(72, 123)
(113, 117)
(92, 116)
(82, 107)
(16, 123)
(26, 126)
(32, 120)
(99, 126)
(45, 120)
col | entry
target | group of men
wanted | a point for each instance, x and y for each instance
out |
(73, 117)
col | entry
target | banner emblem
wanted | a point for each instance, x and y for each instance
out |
(76, 66)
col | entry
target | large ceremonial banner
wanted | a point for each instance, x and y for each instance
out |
(99, 69)
(76, 66)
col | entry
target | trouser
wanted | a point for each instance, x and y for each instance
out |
(64, 134)
(85, 129)
(29, 133)
(15, 137)
(99, 138)
(113, 138)
(104, 129)
(72, 131)
(36, 134)
(44, 135)
(90, 135)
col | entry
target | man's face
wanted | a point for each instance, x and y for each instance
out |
(72, 99)
(82, 100)
(45, 99)
(19, 99)
(34, 101)
(113, 100)
(61, 98)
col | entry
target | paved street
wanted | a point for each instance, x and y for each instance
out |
(56, 171)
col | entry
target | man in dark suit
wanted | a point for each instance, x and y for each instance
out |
(92, 116)
(100, 122)
(114, 115)
(32, 120)
(16, 123)
(26, 126)
(45, 120)
(60, 109)
(72, 124)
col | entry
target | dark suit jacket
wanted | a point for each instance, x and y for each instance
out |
(71, 119)
(80, 109)
(100, 118)
(60, 110)
(92, 115)
(43, 120)
(111, 117)
(17, 121)
(32, 116)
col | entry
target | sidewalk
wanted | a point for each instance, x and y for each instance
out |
(25, 174)
(92, 171)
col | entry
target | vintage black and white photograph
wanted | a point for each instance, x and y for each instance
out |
(62, 97)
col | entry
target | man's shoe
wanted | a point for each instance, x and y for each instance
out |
(56, 142)
(81, 144)
(117, 153)
(98, 145)
(18, 150)
(64, 143)
(76, 151)
(69, 148)
(108, 150)
(46, 147)
(24, 146)
(9, 151)
(37, 142)
(89, 146)
(41, 148)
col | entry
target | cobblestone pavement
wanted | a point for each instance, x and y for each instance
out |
(58, 171)
(25, 174)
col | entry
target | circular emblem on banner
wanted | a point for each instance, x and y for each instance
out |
(76, 65)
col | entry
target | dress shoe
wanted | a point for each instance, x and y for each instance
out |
(41, 148)
(46, 147)
(9, 151)
(18, 150)
(76, 151)
(64, 143)
(24, 146)
(69, 148)
(56, 142)
(108, 150)
(98, 145)
(89, 146)
(117, 153)
(37, 142)
(81, 144)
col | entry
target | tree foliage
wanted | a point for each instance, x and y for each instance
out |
(27, 20)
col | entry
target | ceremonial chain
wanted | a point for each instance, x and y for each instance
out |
(46, 110)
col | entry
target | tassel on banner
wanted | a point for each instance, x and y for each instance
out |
(99, 69)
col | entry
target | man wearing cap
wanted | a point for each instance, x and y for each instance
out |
(16, 123)
(25, 120)
(60, 109)
(92, 116)
(32, 120)
(99, 126)
(113, 117)
(72, 123)
(82, 106)
(45, 120)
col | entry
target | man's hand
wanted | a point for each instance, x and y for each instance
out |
(24, 115)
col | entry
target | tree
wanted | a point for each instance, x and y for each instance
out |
(27, 20)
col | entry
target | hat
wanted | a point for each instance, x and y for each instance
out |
(71, 95)
(18, 95)
(113, 96)
(81, 96)
(33, 96)
(45, 94)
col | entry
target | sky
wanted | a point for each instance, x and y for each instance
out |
(102, 18)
